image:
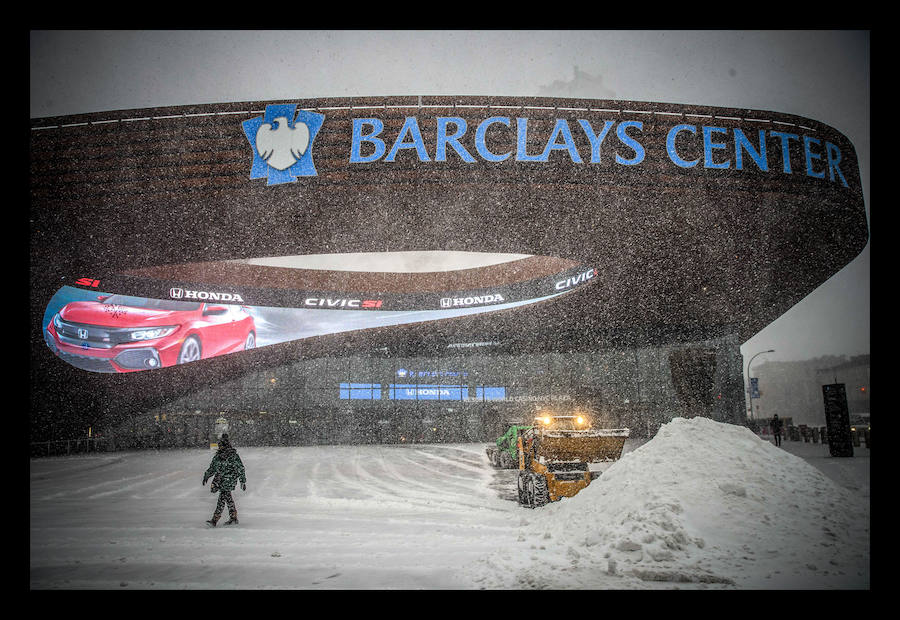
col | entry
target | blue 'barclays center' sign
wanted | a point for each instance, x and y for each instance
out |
(819, 160)
(282, 142)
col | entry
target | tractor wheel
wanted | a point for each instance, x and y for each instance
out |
(541, 492)
(521, 482)
(492, 457)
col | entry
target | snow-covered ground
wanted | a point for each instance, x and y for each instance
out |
(703, 505)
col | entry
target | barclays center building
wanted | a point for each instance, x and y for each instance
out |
(420, 269)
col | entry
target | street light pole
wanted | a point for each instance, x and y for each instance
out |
(749, 391)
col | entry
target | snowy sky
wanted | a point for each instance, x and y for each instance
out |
(823, 75)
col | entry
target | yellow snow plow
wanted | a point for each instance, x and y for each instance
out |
(555, 454)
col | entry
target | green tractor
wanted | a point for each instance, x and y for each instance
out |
(505, 453)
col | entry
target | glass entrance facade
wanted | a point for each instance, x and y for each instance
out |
(462, 398)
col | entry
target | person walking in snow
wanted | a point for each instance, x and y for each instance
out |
(225, 469)
(776, 429)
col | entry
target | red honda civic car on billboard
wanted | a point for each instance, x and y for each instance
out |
(120, 333)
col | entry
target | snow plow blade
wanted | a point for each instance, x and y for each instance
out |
(583, 447)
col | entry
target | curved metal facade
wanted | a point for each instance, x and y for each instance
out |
(703, 223)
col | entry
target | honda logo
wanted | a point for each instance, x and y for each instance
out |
(178, 293)
(83, 333)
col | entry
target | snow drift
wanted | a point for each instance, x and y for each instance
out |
(701, 503)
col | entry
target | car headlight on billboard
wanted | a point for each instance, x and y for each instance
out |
(151, 334)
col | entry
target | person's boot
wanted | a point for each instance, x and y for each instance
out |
(232, 519)
(212, 522)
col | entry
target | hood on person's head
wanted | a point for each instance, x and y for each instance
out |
(224, 442)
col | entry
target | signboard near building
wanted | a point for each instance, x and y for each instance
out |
(837, 419)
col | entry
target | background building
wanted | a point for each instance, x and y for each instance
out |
(794, 389)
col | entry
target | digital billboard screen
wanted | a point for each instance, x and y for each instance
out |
(154, 325)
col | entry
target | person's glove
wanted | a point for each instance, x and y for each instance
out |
(205, 478)
(243, 486)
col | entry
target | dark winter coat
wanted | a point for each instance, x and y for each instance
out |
(776, 426)
(225, 469)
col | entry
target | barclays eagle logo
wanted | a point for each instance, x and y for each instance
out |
(282, 143)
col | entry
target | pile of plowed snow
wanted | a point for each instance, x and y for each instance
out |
(702, 504)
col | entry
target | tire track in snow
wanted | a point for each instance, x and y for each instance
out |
(470, 465)
(456, 484)
(362, 477)
(387, 485)
(80, 490)
(417, 493)
(311, 481)
(183, 481)
(351, 481)
(134, 486)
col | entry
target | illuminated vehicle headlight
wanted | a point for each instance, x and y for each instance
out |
(150, 334)
(547, 420)
(579, 420)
